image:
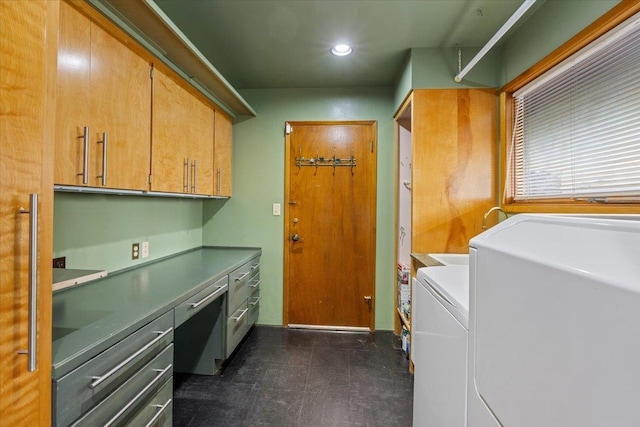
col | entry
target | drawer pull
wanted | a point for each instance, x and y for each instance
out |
(207, 298)
(161, 409)
(257, 300)
(237, 319)
(239, 278)
(253, 267)
(101, 379)
(257, 284)
(142, 392)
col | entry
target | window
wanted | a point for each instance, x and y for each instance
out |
(576, 128)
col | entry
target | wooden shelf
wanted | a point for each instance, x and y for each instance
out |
(404, 320)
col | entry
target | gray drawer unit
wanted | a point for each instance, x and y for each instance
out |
(254, 307)
(237, 327)
(127, 399)
(79, 390)
(157, 411)
(239, 285)
(193, 305)
(254, 282)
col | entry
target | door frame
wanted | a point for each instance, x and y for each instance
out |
(287, 223)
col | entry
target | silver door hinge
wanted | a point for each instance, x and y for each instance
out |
(149, 178)
(372, 145)
(151, 72)
(288, 128)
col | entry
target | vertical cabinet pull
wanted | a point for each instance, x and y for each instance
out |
(186, 165)
(219, 181)
(194, 185)
(85, 158)
(33, 280)
(104, 159)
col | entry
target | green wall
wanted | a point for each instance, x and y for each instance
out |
(258, 182)
(552, 24)
(96, 231)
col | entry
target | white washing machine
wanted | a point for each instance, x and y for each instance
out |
(440, 313)
(554, 329)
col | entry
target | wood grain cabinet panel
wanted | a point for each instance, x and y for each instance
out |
(222, 155)
(453, 138)
(105, 87)
(182, 142)
(28, 39)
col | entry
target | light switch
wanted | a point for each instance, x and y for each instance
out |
(276, 209)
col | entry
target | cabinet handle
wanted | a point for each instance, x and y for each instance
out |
(208, 297)
(133, 401)
(101, 379)
(253, 267)
(186, 171)
(239, 278)
(33, 280)
(194, 186)
(244, 312)
(104, 159)
(161, 409)
(257, 284)
(85, 158)
(257, 300)
(219, 181)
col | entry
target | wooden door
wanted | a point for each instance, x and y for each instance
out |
(73, 98)
(28, 48)
(330, 224)
(169, 166)
(222, 155)
(121, 106)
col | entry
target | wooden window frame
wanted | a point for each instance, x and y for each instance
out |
(615, 16)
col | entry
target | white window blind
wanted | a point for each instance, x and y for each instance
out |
(577, 127)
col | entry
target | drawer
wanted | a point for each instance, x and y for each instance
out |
(254, 307)
(237, 327)
(130, 396)
(157, 411)
(238, 284)
(254, 282)
(82, 388)
(184, 311)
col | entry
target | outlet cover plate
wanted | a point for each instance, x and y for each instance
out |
(135, 251)
(144, 250)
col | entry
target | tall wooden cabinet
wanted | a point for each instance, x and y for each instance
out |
(28, 38)
(103, 108)
(453, 141)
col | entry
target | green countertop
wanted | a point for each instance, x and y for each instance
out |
(89, 318)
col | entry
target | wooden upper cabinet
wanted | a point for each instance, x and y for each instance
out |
(105, 88)
(182, 142)
(222, 155)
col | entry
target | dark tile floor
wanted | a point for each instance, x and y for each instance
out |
(284, 377)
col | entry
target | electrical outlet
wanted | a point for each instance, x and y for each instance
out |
(135, 251)
(144, 251)
(276, 209)
(60, 262)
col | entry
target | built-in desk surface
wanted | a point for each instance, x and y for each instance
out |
(89, 318)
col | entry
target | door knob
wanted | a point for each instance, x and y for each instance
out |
(295, 237)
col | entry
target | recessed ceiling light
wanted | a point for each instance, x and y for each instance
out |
(341, 50)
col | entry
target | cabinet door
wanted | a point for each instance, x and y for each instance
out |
(201, 125)
(28, 48)
(169, 168)
(121, 108)
(222, 155)
(73, 98)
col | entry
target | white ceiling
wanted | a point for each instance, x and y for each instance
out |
(285, 43)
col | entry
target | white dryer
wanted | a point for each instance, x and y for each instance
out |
(440, 312)
(554, 325)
